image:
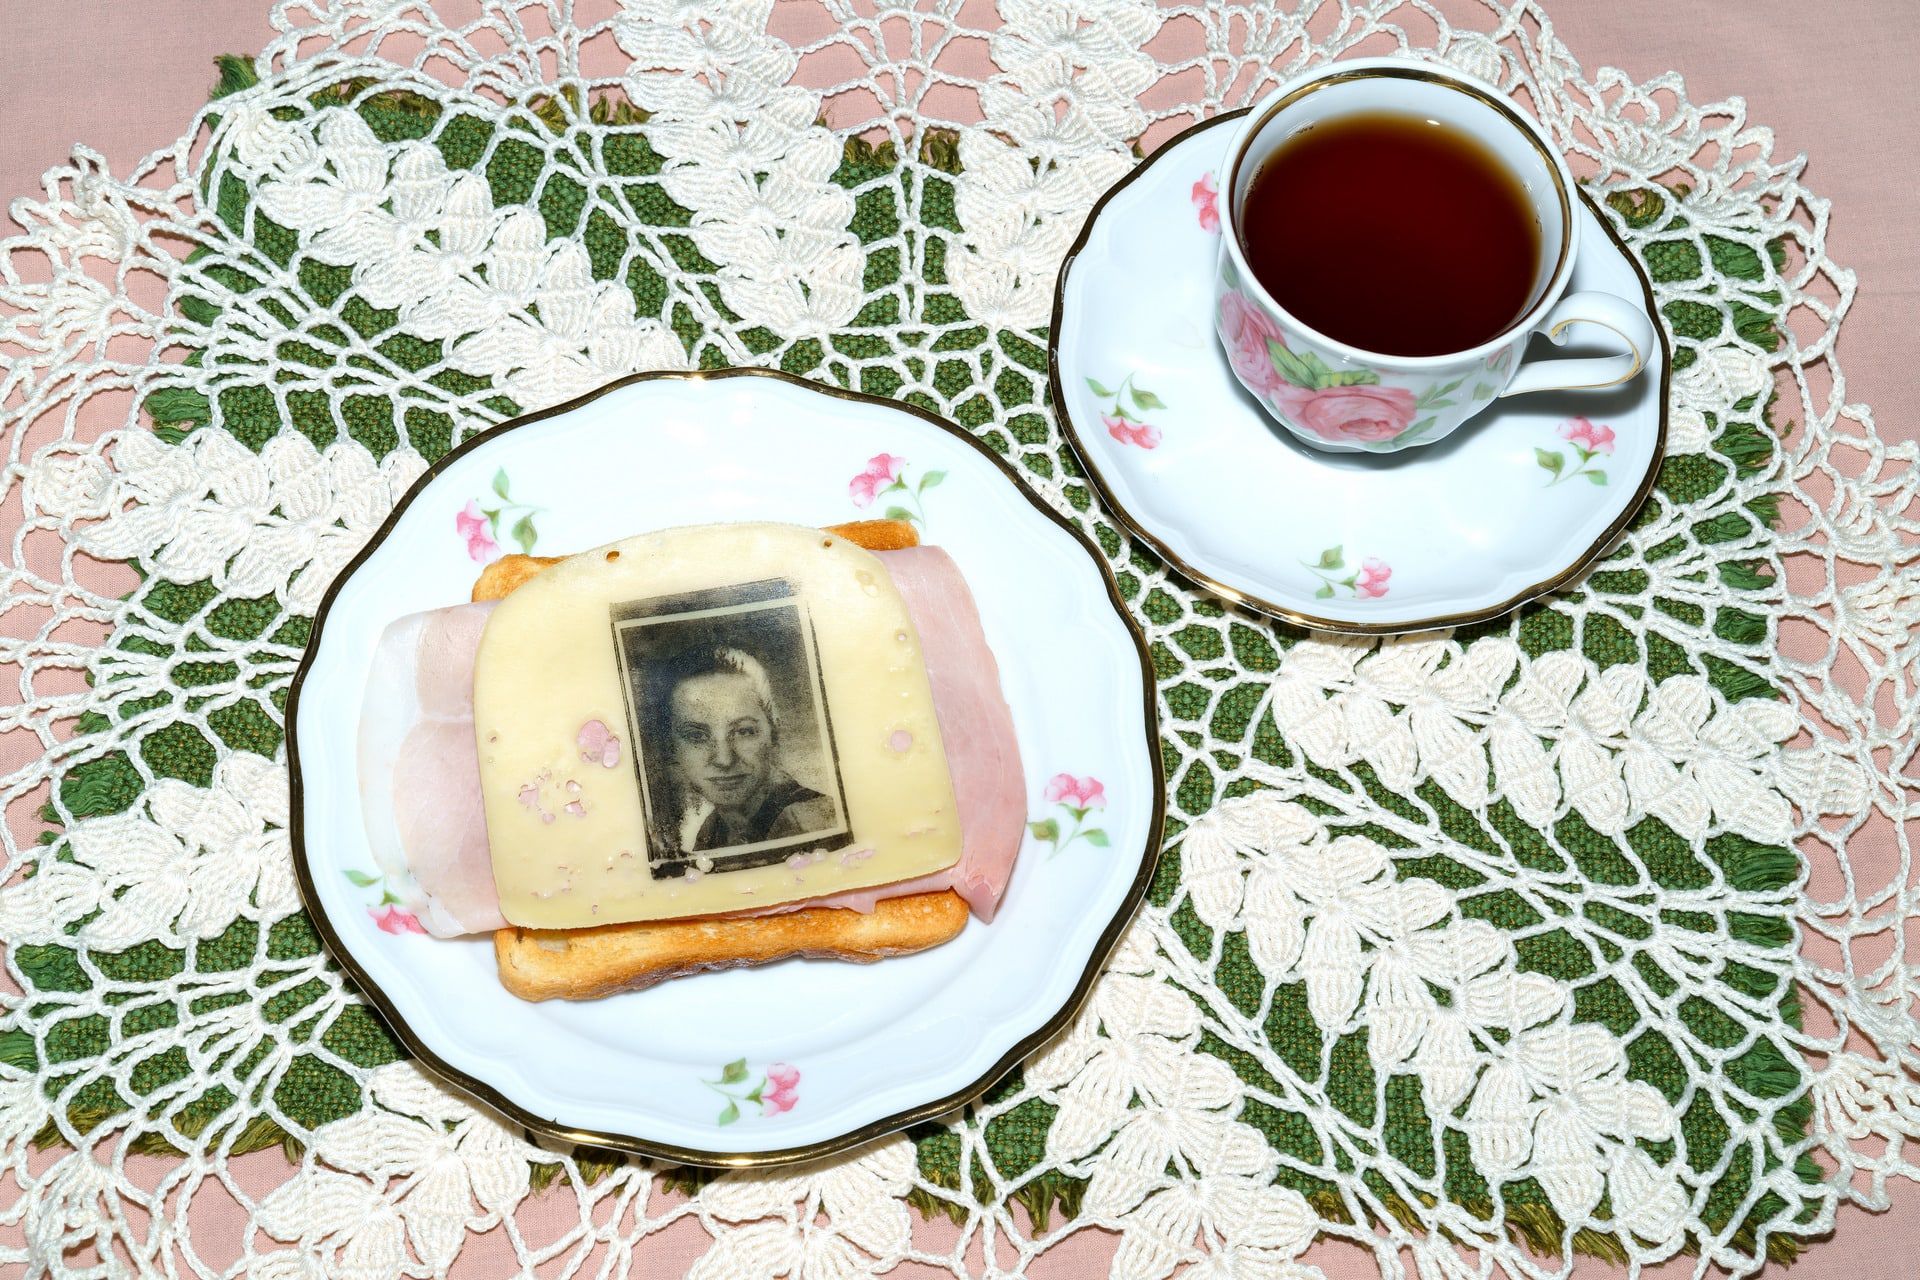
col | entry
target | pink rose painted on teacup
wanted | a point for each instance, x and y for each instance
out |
(1366, 413)
(1247, 329)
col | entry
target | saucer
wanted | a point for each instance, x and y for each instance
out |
(1516, 503)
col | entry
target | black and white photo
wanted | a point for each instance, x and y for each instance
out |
(734, 742)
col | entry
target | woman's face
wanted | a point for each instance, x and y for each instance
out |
(722, 742)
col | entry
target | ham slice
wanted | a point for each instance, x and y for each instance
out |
(420, 777)
(420, 772)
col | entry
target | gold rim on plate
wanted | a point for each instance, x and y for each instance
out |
(1580, 564)
(551, 1127)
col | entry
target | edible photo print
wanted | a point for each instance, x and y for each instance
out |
(734, 746)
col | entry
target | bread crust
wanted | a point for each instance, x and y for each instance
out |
(585, 964)
(501, 578)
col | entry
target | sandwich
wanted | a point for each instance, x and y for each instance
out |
(695, 749)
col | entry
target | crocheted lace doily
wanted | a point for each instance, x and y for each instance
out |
(1574, 933)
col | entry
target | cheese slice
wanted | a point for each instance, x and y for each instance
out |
(704, 720)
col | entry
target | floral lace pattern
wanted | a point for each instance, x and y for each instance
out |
(1486, 947)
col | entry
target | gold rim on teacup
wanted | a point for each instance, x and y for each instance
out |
(1459, 82)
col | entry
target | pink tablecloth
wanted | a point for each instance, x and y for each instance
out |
(1835, 82)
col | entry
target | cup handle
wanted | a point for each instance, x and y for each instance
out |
(1628, 323)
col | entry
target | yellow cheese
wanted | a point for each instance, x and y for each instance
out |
(705, 720)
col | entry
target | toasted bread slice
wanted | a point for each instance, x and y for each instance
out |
(584, 964)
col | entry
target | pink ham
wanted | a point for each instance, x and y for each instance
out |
(420, 780)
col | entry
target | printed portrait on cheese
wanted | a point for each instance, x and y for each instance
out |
(733, 745)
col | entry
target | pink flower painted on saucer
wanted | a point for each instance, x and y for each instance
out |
(1372, 583)
(1251, 337)
(1143, 434)
(1368, 582)
(1123, 423)
(777, 1091)
(1590, 440)
(1206, 202)
(1357, 413)
(783, 1090)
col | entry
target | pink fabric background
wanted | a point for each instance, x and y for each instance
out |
(1834, 82)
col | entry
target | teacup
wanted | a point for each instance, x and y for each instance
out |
(1336, 396)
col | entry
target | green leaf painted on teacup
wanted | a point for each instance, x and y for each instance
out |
(1228, 274)
(1413, 432)
(734, 1072)
(1147, 400)
(1596, 477)
(1290, 366)
(1435, 397)
(1551, 459)
(1484, 390)
(1097, 389)
(1352, 378)
(500, 485)
(1332, 558)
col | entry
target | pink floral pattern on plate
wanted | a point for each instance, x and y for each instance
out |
(479, 527)
(1368, 582)
(885, 474)
(1590, 440)
(1124, 424)
(1206, 202)
(778, 1089)
(387, 913)
(1077, 797)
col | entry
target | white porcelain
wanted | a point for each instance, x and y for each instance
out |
(1188, 460)
(1335, 396)
(874, 1046)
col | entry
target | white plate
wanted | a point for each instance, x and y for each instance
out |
(1464, 529)
(876, 1046)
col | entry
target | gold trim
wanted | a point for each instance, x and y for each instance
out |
(1285, 614)
(1528, 130)
(1103, 946)
(1639, 363)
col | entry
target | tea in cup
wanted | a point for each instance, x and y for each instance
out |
(1393, 233)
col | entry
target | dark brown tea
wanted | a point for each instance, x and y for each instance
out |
(1392, 234)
